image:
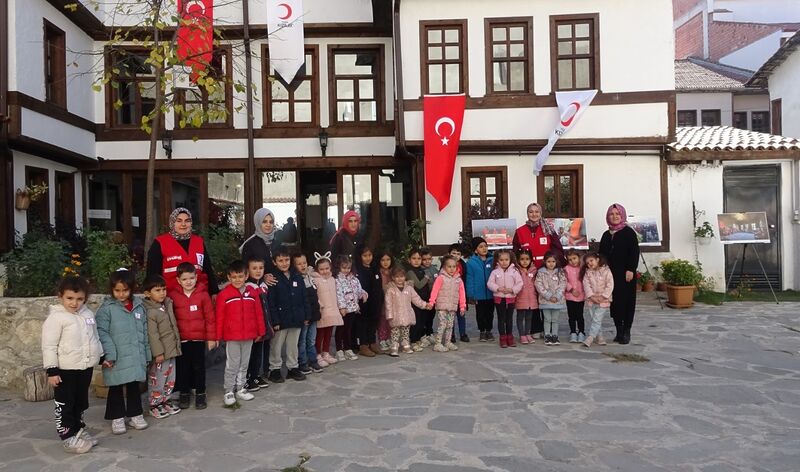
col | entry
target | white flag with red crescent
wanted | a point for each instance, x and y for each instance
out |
(571, 105)
(285, 30)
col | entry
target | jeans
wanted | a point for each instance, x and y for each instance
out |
(237, 355)
(462, 323)
(575, 313)
(524, 318)
(505, 317)
(551, 320)
(597, 313)
(306, 349)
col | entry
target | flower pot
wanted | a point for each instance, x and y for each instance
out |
(680, 296)
(661, 287)
(22, 201)
(704, 240)
(648, 287)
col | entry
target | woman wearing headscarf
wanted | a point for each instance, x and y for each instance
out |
(345, 240)
(177, 246)
(620, 246)
(261, 244)
(538, 237)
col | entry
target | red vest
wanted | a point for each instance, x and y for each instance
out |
(537, 243)
(172, 254)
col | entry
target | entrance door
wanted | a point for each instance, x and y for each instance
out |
(318, 212)
(751, 189)
(65, 199)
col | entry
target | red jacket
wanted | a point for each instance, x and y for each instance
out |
(536, 242)
(173, 255)
(239, 315)
(194, 314)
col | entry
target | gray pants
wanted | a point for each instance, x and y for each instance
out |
(551, 320)
(238, 358)
(284, 338)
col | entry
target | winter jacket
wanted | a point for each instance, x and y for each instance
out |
(125, 341)
(599, 282)
(313, 298)
(527, 299)
(255, 247)
(370, 279)
(288, 302)
(448, 293)
(162, 329)
(328, 306)
(70, 340)
(505, 278)
(261, 289)
(416, 276)
(195, 315)
(348, 292)
(239, 315)
(478, 271)
(432, 272)
(573, 282)
(551, 284)
(399, 311)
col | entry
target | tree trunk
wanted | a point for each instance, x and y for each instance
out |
(150, 230)
(36, 387)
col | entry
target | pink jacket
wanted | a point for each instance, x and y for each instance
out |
(398, 305)
(505, 278)
(599, 282)
(573, 282)
(527, 297)
(448, 293)
(328, 306)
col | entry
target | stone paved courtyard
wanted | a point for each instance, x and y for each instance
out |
(720, 393)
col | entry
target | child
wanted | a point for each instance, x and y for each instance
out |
(70, 350)
(479, 267)
(431, 271)
(422, 283)
(289, 312)
(122, 328)
(450, 300)
(328, 307)
(399, 298)
(165, 346)
(598, 284)
(550, 284)
(385, 266)
(461, 270)
(574, 296)
(526, 302)
(240, 321)
(348, 293)
(306, 349)
(505, 283)
(194, 313)
(258, 366)
(367, 322)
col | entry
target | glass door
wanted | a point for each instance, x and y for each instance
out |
(357, 195)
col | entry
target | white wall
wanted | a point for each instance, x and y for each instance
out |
(783, 85)
(755, 54)
(58, 133)
(707, 101)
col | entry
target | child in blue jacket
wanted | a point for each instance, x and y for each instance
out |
(479, 267)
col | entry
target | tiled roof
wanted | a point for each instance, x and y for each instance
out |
(761, 77)
(727, 138)
(696, 74)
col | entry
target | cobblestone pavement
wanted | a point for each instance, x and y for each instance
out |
(720, 393)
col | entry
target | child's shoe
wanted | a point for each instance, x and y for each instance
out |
(329, 358)
(581, 337)
(464, 338)
(243, 394)
(573, 337)
(385, 345)
(510, 340)
(340, 356)
(439, 348)
(416, 347)
(364, 350)
(275, 376)
(548, 340)
(118, 426)
(200, 401)
(76, 445)
(601, 341)
(489, 336)
(482, 337)
(170, 408)
(424, 342)
(394, 351)
(408, 349)
(305, 370)
(137, 422)
(451, 347)
(316, 367)
(376, 348)
(588, 341)
(503, 341)
(322, 362)
(296, 374)
(261, 380)
(158, 412)
(229, 399)
(554, 340)
(350, 355)
(523, 340)
(251, 386)
(184, 400)
(84, 434)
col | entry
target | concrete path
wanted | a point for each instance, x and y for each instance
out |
(721, 393)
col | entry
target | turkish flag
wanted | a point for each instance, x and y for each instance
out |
(442, 118)
(195, 39)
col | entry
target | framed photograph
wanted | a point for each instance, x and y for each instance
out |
(743, 228)
(646, 228)
(571, 232)
(499, 234)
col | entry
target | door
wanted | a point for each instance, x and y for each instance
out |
(65, 199)
(751, 189)
(318, 212)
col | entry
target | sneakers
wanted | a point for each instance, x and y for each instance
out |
(329, 358)
(548, 341)
(350, 355)
(76, 445)
(482, 337)
(229, 399)
(489, 336)
(243, 394)
(170, 408)
(416, 347)
(137, 422)
(451, 347)
(118, 426)
(305, 370)
(424, 342)
(296, 374)
(408, 349)
(251, 385)
(588, 341)
(464, 338)
(581, 337)
(84, 434)
(365, 351)
(523, 339)
(601, 341)
(158, 412)
(340, 356)
(316, 367)
(439, 348)
(385, 345)
(321, 361)
(573, 337)
(554, 340)
(275, 376)
(184, 400)
(262, 381)
(200, 401)
(393, 350)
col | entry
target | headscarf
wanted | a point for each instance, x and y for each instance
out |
(547, 229)
(345, 227)
(258, 218)
(622, 213)
(172, 218)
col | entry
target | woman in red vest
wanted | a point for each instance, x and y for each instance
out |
(538, 237)
(177, 246)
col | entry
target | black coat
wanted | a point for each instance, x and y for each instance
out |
(288, 301)
(256, 247)
(344, 244)
(371, 282)
(621, 251)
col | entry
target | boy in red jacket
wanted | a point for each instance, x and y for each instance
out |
(240, 321)
(194, 314)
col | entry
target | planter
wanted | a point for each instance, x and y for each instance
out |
(648, 286)
(661, 287)
(704, 240)
(680, 296)
(22, 201)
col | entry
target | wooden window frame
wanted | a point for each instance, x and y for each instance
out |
(776, 118)
(527, 23)
(767, 122)
(577, 193)
(693, 112)
(55, 61)
(44, 201)
(424, 26)
(180, 94)
(594, 36)
(740, 114)
(465, 190)
(380, 85)
(717, 113)
(111, 92)
(313, 49)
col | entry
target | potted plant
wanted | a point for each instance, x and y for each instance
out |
(704, 233)
(646, 281)
(31, 193)
(681, 277)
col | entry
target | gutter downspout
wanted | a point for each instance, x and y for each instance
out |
(6, 162)
(251, 161)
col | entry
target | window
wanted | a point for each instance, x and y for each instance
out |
(38, 212)
(575, 52)
(759, 121)
(484, 193)
(218, 105)
(285, 107)
(740, 119)
(444, 54)
(356, 78)
(777, 125)
(135, 94)
(55, 65)
(711, 117)
(560, 191)
(687, 117)
(508, 52)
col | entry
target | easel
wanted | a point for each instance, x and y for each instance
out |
(742, 256)
(647, 269)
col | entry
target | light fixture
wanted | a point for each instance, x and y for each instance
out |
(166, 143)
(323, 140)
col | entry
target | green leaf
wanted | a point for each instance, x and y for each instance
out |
(97, 87)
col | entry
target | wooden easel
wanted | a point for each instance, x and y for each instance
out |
(742, 256)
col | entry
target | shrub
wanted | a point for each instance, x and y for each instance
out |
(34, 267)
(222, 244)
(681, 272)
(104, 254)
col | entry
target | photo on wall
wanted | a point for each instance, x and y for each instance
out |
(499, 234)
(571, 232)
(646, 228)
(742, 228)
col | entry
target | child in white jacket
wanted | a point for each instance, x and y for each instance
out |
(70, 350)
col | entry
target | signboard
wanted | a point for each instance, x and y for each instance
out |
(571, 232)
(98, 214)
(646, 228)
(499, 234)
(743, 228)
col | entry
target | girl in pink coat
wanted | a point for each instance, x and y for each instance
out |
(598, 284)
(328, 307)
(398, 300)
(574, 296)
(526, 302)
(505, 282)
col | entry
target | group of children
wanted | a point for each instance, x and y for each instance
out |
(374, 307)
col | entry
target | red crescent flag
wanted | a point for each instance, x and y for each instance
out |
(442, 118)
(195, 39)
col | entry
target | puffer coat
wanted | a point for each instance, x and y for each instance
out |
(70, 340)
(125, 341)
(398, 301)
(162, 329)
